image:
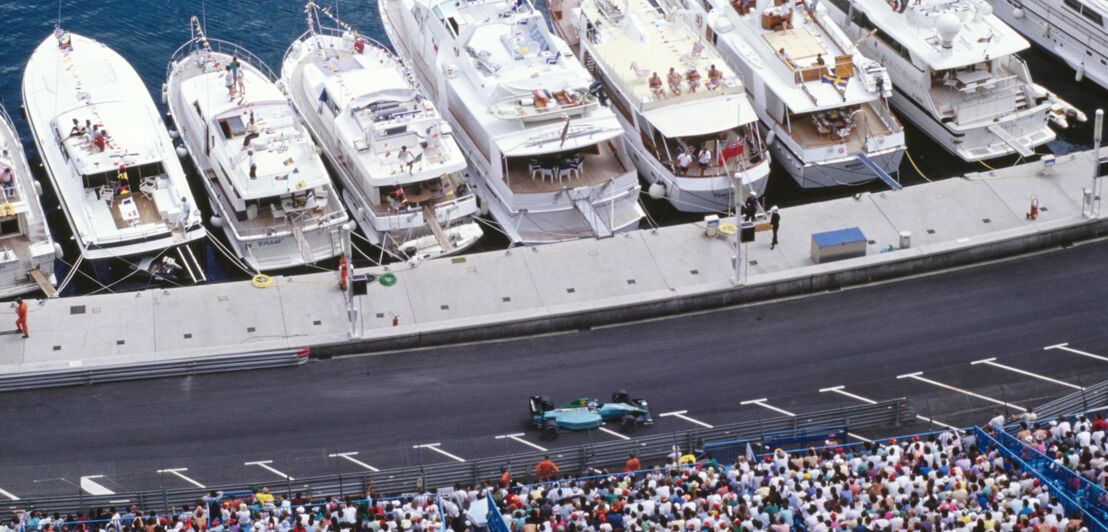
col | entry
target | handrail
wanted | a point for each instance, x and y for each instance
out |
(218, 46)
(1088, 492)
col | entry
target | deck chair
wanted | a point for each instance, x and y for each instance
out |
(642, 73)
(697, 49)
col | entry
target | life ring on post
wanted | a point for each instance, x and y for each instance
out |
(343, 270)
(262, 281)
(7, 209)
(387, 279)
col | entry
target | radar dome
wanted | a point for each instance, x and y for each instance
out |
(948, 26)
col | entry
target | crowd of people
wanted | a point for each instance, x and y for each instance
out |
(1080, 446)
(944, 481)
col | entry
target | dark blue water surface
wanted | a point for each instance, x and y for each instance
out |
(146, 33)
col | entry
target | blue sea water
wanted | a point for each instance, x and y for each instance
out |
(146, 33)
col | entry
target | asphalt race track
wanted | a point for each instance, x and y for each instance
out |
(710, 364)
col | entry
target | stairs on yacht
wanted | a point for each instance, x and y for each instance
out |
(596, 222)
(302, 243)
(42, 282)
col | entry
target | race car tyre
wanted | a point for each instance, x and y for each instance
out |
(621, 396)
(549, 430)
(628, 423)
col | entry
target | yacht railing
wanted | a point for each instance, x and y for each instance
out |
(338, 32)
(217, 46)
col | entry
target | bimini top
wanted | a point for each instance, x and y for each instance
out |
(943, 34)
(90, 83)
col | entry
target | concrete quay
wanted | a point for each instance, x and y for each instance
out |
(522, 291)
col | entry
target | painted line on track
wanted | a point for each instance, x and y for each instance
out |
(349, 456)
(917, 377)
(435, 447)
(94, 488)
(177, 472)
(519, 438)
(994, 363)
(762, 403)
(681, 414)
(613, 433)
(8, 495)
(1065, 347)
(839, 390)
(264, 464)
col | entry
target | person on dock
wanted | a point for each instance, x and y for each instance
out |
(750, 208)
(547, 469)
(21, 316)
(775, 223)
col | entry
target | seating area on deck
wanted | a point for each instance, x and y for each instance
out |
(412, 197)
(837, 125)
(549, 173)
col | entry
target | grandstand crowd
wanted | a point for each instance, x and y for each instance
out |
(942, 481)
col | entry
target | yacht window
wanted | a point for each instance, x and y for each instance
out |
(1092, 15)
(843, 5)
(232, 126)
(1073, 4)
(199, 113)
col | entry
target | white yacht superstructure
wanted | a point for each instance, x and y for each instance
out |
(370, 117)
(108, 155)
(824, 101)
(955, 72)
(546, 159)
(1072, 30)
(256, 159)
(26, 249)
(632, 47)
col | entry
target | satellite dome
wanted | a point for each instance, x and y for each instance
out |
(948, 26)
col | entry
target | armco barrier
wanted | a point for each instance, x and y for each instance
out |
(150, 370)
(1094, 396)
(577, 460)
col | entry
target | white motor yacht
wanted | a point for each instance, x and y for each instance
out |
(264, 178)
(545, 158)
(397, 160)
(108, 154)
(26, 248)
(1071, 30)
(955, 71)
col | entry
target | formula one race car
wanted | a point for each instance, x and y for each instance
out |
(585, 413)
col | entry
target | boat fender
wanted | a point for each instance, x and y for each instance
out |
(38, 187)
(657, 190)
(772, 136)
(217, 221)
(58, 251)
(262, 281)
(482, 207)
(1017, 13)
(7, 209)
(1080, 75)
(181, 151)
(387, 279)
(1046, 29)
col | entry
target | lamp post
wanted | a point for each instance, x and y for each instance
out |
(1091, 197)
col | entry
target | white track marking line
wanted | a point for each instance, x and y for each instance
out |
(762, 403)
(917, 374)
(94, 488)
(839, 390)
(993, 362)
(519, 437)
(435, 447)
(177, 472)
(681, 414)
(613, 433)
(1065, 347)
(264, 464)
(857, 437)
(9, 495)
(350, 457)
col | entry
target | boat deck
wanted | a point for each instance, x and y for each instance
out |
(596, 169)
(809, 129)
(640, 41)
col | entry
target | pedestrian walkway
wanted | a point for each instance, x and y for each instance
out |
(568, 285)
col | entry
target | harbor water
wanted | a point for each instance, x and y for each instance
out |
(146, 32)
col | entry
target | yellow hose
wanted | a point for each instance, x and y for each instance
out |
(916, 167)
